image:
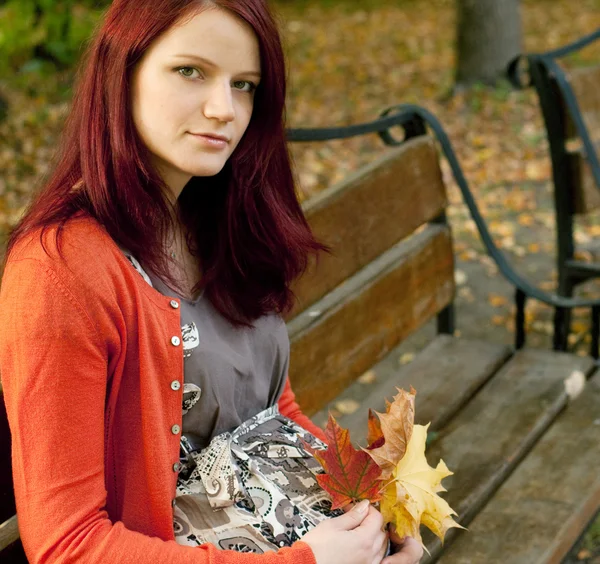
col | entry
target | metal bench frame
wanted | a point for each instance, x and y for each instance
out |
(415, 120)
(542, 71)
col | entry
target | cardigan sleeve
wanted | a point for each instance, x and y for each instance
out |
(289, 408)
(54, 370)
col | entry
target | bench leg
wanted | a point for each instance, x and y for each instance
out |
(446, 320)
(594, 347)
(520, 301)
(561, 329)
(562, 316)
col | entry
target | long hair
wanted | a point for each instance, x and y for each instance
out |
(246, 225)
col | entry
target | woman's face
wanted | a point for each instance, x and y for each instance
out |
(195, 82)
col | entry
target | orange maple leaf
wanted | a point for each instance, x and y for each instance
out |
(351, 475)
(389, 435)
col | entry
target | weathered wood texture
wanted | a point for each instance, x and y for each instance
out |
(585, 84)
(490, 436)
(446, 374)
(539, 512)
(369, 212)
(9, 532)
(586, 192)
(360, 321)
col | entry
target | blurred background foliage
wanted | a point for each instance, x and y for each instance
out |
(35, 32)
(44, 35)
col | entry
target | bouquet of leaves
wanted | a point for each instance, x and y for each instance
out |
(392, 470)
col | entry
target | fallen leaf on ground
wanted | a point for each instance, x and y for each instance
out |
(368, 377)
(496, 300)
(406, 358)
(347, 407)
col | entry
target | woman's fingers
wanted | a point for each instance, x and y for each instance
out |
(380, 554)
(394, 537)
(409, 551)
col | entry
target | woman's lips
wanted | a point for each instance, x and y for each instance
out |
(217, 142)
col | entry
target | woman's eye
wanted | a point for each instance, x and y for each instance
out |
(187, 72)
(244, 85)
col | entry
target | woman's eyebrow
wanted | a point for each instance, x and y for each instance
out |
(211, 64)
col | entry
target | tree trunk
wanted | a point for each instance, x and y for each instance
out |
(488, 36)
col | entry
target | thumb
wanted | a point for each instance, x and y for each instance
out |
(353, 518)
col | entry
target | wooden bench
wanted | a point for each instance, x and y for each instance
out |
(522, 447)
(570, 103)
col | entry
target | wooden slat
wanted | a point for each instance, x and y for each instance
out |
(544, 506)
(360, 321)
(490, 436)
(586, 192)
(369, 212)
(465, 365)
(9, 532)
(585, 83)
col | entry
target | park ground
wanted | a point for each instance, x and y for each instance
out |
(348, 60)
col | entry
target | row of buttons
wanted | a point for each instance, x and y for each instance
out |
(175, 386)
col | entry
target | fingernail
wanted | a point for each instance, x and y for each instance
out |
(363, 506)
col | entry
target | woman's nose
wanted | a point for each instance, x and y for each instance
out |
(219, 103)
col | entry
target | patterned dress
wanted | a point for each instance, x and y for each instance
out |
(252, 487)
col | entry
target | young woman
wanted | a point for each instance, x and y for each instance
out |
(142, 351)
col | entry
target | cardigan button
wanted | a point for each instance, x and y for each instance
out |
(176, 467)
(175, 429)
(174, 304)
(175, 341)
(175, 385)
(173, 503)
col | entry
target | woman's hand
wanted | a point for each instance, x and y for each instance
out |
(404, 551)
(353, 538)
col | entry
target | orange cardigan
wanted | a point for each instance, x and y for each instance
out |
(87, 361)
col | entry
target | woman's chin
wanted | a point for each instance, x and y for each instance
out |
(206, 170)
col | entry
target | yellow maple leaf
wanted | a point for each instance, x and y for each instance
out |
(411, 498)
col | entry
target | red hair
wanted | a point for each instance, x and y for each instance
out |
(246, 224)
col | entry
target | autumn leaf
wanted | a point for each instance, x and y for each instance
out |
(351, 475)
(397, 445)
(411, 499)
(389, 436)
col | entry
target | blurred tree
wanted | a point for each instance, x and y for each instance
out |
(488, 35)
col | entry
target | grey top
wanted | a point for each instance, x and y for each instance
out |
(230, 374)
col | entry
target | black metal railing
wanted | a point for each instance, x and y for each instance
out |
(415, 120)
(543, 72)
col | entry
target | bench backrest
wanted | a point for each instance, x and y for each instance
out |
(383, 280)
(390, 271)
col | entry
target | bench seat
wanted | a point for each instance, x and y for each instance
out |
(538, 513)
(487, 409)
